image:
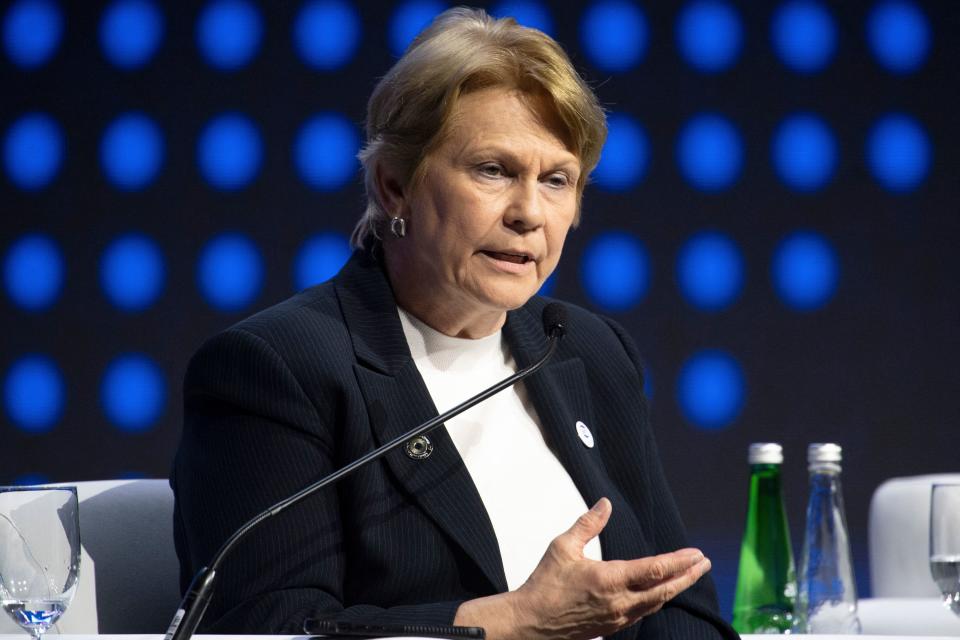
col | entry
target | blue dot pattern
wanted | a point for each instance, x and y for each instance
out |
(549, 285)
(804, 35)
(709, 35)
(133, 393)
(711, 390)
(805, 270)
(131, 32)
(33, 272)
(898, 152)
(31, 32)
(33, 151)
(615, 271)
(228, 33)
(325, 151)
(132, 272)
(804, 152)
(614, 34)
(899, 35)
(34, 394)
(31, 480)
(528, 13)
(710, 152)
(320, 258)
(230, 272)
(625, 155)
(229, 152)
(409, 19)
(710, 271)
(132, 151)
(327, 33)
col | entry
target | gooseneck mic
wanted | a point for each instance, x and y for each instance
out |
(194, 603)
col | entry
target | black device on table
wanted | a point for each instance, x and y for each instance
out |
(330, 629)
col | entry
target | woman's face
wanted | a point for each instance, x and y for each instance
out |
(486, 225)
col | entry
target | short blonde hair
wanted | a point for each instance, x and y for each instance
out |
(464, 50)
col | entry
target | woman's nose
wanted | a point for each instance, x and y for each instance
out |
(525, 209)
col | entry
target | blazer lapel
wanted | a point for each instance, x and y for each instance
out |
(560, 392)
(398, 400)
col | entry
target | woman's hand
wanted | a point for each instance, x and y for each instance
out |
(572, 597)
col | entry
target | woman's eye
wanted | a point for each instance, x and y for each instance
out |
(491, 170)
(558, 180)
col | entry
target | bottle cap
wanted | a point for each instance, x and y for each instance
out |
(765, 453)
(824, 452)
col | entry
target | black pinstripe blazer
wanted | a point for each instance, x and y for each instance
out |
(300, 389)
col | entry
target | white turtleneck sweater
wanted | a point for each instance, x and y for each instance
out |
(528, 495)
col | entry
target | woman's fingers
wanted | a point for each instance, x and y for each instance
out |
(647, 573)
(650, 601)
(589, 525)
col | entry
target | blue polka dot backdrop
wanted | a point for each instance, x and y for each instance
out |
(804, 35)
(898, 152)
(805, 270)
(711, 390)
(229, 151)
(625, 155)
(230, 272)
(549, 285)
(327, 33)
(615, 271)
(772, 222)
(529, 13)
(804, 152)
(31, 32)
(31, 479)
(710, 271)
(614, 34)
(229, 33)
(34, 394)
(710, 152)
(409, 18)
(709, 35)
(326, 151)
(320, 258)
(131, 32)
(899, 35)
(132, 272)
(33, 151)
(133, 393)
(131, 151)
(33, 272)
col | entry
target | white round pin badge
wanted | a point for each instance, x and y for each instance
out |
(585, 436)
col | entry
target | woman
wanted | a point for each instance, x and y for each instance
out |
(479, 144)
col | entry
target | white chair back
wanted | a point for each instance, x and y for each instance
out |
(129, 575)
(899, 537)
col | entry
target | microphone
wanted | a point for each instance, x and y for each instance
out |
(195, 602)
(554, 320)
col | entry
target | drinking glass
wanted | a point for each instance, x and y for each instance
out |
(945, 542)
(39, 554)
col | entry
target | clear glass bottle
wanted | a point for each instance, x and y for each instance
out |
(827, 599)
(766, 581)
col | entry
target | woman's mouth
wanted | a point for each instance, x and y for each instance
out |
(513, 263)
(508, 257)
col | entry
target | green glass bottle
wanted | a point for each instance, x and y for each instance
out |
(767, 579)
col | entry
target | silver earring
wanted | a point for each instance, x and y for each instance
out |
(398, 226)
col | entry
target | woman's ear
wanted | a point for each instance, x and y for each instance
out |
(390, 191)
